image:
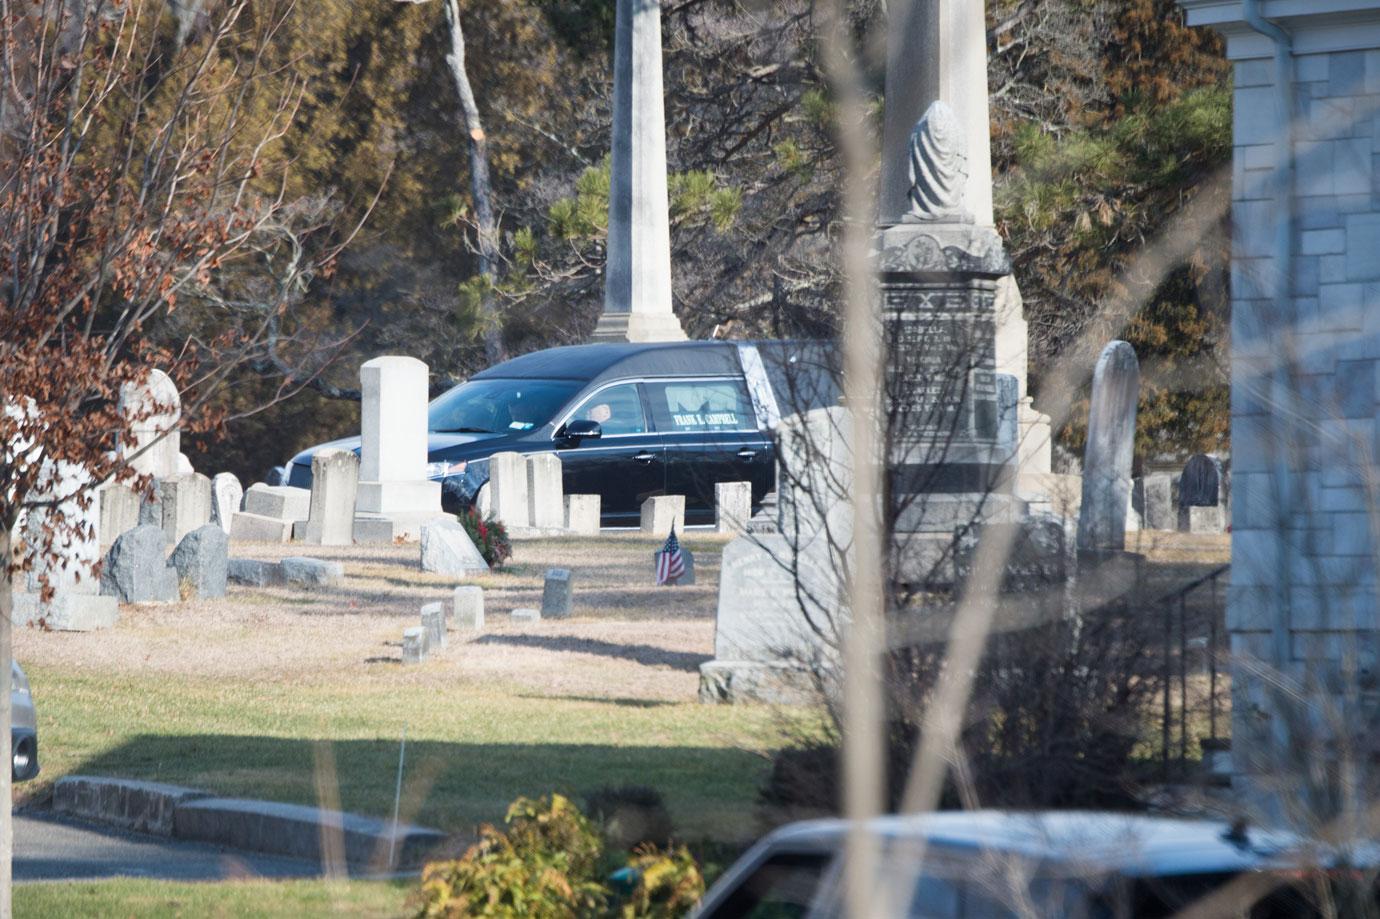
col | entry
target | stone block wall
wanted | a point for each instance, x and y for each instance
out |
(1305, 377)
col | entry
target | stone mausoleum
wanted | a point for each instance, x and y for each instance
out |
(1303, 608)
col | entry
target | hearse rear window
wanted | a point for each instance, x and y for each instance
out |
(701, 405)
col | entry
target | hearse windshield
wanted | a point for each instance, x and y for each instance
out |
(499, 406)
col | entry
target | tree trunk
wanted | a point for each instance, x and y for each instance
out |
(480, 188)
(6, 719)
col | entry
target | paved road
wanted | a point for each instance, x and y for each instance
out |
(48, 849)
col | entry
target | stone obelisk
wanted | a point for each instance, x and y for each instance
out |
(637, 276)
(937, 51)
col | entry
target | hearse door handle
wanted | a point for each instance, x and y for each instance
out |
(746, 453)
(644, 457)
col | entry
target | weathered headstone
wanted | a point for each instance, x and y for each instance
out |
(1201, 486)
(765, 644)
(227, 494)
(202, 561)
(245, 527)
(312, 572)
(557, 596)
(1152, 499)
(508, 489)
(687, 562)
(66, 612)
(414, 646)
(184, 465)
(136, 568)
(151, 505)
(661, 512)
(395, 498)
(468, 602)
(525, 614)
(334, 484)
(582, 514)
(447, 549)
(254, 573)
(637, 272)
(732, 506)
(155, 440)
(1037, 560)
(545, 494)
(186, 504)
(67, 558)
(1110, 450)
(434, 621)
(71, 555)
(119, 511)
(281, 502)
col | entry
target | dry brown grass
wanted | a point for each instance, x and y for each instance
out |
(628, 637)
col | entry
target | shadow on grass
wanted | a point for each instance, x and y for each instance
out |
(646, 655)
(710, 791)
(610, 700)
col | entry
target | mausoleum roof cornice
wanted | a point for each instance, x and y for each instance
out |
(1315, 26)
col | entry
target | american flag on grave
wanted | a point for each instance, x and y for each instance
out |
(670, 562)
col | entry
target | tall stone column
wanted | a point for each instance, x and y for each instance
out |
(951, 417)
(637, 275)
(937, 49)
(1303, 608)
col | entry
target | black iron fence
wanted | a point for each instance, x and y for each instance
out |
(1195, 643)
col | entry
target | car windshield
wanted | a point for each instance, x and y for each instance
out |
(499, 406)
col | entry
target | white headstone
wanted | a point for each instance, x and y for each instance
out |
(393, 484)
(227, 494)
(186, 505)
(508, 489)
(732, 506)
(119, 508)
(155, 442)
(334, 485)
(545, 493)
(582, 514)
(662, 512)
(282, 502)
(76, 545)
(434, 621)
(469, 607)
(447, 549)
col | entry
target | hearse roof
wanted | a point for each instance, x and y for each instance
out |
(590, 363)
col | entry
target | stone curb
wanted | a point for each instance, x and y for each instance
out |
(146, 807)
(269, 827)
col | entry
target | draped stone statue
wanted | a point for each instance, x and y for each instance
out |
(938, 167)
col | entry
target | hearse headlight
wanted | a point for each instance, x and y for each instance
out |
(444, 469)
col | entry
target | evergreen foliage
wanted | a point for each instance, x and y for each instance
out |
(1107, 119)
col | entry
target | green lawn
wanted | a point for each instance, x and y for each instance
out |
(129, 897)
(470, 750)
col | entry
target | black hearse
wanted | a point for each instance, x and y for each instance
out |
(628, 420)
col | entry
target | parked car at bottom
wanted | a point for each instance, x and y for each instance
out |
(23, 727)
(1079, 865)
(628, 421)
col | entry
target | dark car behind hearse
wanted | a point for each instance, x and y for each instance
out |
(628, 421)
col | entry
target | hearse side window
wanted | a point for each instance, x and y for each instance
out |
(701, 405)
(618, 410)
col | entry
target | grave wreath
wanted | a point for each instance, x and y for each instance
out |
(490, 536)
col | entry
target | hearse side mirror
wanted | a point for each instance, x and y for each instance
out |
(582, 429)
